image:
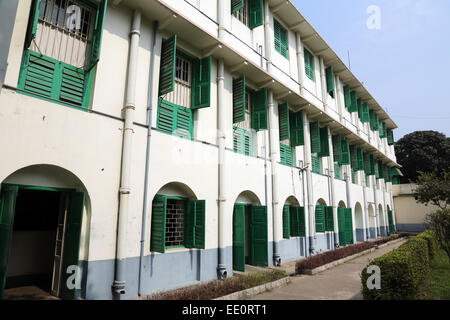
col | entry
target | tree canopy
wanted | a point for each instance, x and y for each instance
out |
(426, 151)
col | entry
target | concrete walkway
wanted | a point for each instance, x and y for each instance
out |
(339, 283)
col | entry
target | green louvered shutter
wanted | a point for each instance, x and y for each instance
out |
(354, 157)
(255, 13)
(286, 155)
(239, 237)
(341, 226)
(316, 164)
(286, 223)
(324, 145)
(345, 152)
(372, 165)
(295, 222)
(365, 113)
(337, 148)
(201, 83)
(302, 222)
(360, 156)
(314, 129)
(383, 131)
(330, 80)
(259, 110)
(8, 196)
(158, 236)
(184, 122)
(347, 97)
(391, 222)
(189, 223)
(71, 242)
(390, 137)
(283, 120)
(366, 163)
(329, 221)
(258, 237)
(32, 22)
(166, 116)
(98, 34)
(360, 111)
(236, 5)
(376, 122)
(379, 169)
(296, 130)
(199, 227)
(167, 70)
(354, 102)
(309, 65)
(348, 226)
(239, 100)
(320, 219)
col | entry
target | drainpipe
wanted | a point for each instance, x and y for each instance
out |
(221, 17)
(300, 62)
(394, 219)
(323, 84)
(348, 178)
(128, 130)
(302, 170)
(267, 36)
(375, 199)
(274, 147)
(147, 158)
(222, 109)
(332, 188)
(366, 225)
(309, 188)
(386, 221)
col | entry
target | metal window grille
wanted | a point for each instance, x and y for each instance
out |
(181, 95)
(175, 223)
(242, 15)
(65, 30)
(246, 124)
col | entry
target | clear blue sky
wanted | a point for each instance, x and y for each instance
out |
(405, 65)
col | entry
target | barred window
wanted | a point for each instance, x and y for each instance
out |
(181, 95)
(242, 14)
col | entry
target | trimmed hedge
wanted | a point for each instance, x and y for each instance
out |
(402, 270)
(433, 246)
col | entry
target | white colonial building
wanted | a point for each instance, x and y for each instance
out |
(148, 145)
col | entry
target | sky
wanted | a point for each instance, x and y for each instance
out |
(403, 58)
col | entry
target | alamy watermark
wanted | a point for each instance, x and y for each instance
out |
(374, 20)
(374, 280)
(73, 18)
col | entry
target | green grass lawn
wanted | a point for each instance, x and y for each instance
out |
(436, 285)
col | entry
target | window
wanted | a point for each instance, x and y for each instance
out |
(316, 164)
(181, 95)
(177, 222)
(337, 171)
(286, 155)
(354, 176)
(341, 150)
(324, 218)
(249, 12)
(345, 225)
(243, 141)
(330, 81)
(281, 39)
(290, 126)
(174, 119)
(319, 139)
(60, 57)
(390, 137)
(309, 65)
(293, 222)
(353, 102)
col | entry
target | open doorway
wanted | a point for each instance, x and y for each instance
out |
(41, 229)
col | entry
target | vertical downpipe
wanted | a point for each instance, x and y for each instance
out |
(333, 199)
(119, 284)
(267, 37)
(375, 199)
(309, 188)
(366, 210)
(147, 158)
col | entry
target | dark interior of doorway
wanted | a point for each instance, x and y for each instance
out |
(34, 239)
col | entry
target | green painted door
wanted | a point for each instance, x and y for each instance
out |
(391, 222)
(71, 245)
(348, 226)
(8, 197)
(239, 237)
(341, 226)
(258, 240)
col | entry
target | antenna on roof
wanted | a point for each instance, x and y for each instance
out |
(349, 63)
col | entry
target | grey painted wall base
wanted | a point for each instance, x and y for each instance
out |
(419, 227)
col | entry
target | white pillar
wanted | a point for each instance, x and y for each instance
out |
(309, 188)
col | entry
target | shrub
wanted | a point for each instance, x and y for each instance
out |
(402, 270)
(439, 221)
(430, 237)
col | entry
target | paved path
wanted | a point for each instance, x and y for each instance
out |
(339, 283)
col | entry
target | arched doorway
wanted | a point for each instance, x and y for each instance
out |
(359, 222)
(250, 232)
(372, 222)
(345, 225)
(43, 211)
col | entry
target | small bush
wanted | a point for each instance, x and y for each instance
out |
(430, 237)
(402, 270)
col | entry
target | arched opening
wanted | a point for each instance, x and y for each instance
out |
(44, 212)
(345, 224)
(294, 224)
(359, 222)
(250, 232)
(382, 220)
(342, 204)
(372, 222)
(178, 219)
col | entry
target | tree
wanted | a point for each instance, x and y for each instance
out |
(426, 151)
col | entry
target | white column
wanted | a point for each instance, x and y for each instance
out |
(309, 188)
(333, 196)
(323, 84)
(300, 62)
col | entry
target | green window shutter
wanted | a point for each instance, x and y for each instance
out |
(348, 226)
(242, 141)
(258, 237)
(354, 102)
(201, 83)
(71, 242)
(383, 131)
(320, 219)
(167, 69)
(259, 110)
(337, 147)
(158, 236)
(380, 169)
(283, 120)
(374, 125)
(239, 100)
(354, 157)
(174, 119)
(391, 222)
(347, 97)
(345, 152)
(365, 113)
(314, 129)
(309, 65)
(286, 155)
(98, 34)
(324, 145)
(236, 5)
(286, 223)
(239, 237)
(296, 129)
(8, 196)
(184, 122)
(199, 227)
(280, 39)
(255, 13)
(337, 171)
(371, 165)
(330, 80)
(166, 116)
(293, 221)
(341, 226)
(302, 222)
(316, 164)
(189, 223)
(390, 137)
(72, 85)
(329, 221)
(360, 111)
(360, 156)
(366, 163)
(32, 22)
